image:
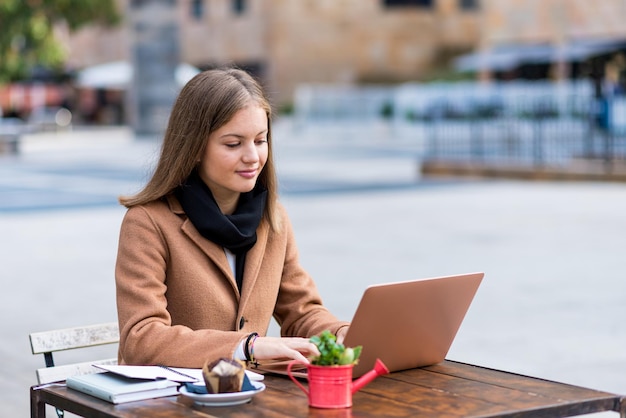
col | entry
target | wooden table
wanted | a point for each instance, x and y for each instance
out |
(448, 389)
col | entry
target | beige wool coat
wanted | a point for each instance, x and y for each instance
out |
(177, 299)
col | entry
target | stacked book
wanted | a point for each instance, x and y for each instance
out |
(120, 384)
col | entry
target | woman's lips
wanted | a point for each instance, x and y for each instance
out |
(249, 174)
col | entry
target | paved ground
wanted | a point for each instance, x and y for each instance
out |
(551, 305)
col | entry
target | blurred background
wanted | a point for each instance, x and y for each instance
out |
(520, 83)
(438, 110)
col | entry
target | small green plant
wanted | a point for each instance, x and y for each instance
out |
(333, 353)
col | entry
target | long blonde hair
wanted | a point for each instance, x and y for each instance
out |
(206, 103)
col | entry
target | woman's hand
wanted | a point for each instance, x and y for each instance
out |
(341, 334)
(275, 348)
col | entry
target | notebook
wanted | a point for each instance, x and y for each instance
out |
(115, 388)
(406, 324)
(150, 372)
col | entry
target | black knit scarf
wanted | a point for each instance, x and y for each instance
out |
(236, 232)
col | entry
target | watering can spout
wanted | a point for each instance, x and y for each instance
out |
(378, 370)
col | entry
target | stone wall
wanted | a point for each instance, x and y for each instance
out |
(288, 42)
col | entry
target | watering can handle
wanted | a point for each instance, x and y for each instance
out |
(289, 366)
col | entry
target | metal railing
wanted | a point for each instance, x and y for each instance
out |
(538, 135)
(529, 124)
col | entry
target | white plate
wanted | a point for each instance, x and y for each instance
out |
(255, 377)
(223, 399)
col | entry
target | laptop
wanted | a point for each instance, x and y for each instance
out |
(410, 324)
(406, 324)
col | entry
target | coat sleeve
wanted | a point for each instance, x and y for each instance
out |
(299, 309)
(147, 335)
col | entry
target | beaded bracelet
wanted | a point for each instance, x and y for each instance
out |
(252, 359)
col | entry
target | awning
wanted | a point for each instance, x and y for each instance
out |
(508, 57)
(581, 51)
(503, 58)
(118, 75)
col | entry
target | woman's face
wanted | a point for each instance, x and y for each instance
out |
(235, 155)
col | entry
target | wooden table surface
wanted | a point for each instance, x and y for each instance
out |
(448, 389)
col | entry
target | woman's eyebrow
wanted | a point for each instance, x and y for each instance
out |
(239, 136)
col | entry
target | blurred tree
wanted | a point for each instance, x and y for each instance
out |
(26, 31)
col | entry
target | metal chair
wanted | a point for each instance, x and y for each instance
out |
(50, 342)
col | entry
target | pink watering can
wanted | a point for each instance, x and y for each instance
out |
(332, 386)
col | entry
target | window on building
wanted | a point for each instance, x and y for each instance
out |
(405, 3)
(239, 6)
(468, 4)
(197, 9)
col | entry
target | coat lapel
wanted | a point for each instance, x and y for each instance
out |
(254, 259)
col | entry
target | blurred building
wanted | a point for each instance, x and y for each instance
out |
(287, 42)
(552, 21)
(555, 39)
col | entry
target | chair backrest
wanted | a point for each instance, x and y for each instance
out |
(49, 342)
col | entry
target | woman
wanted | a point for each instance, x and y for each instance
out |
(207, 254)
